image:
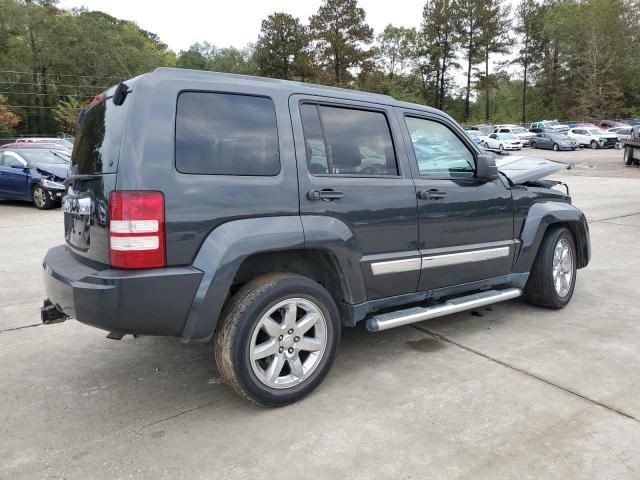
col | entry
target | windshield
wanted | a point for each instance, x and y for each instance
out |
(552, 123)
(506, 136)
(473, 133)
(519, 130)
(50, 157)
(558, 137)
(595, 131)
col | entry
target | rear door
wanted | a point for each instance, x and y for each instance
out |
(466, 224)
(352, 166)
(94, 163)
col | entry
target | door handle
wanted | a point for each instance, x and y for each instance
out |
(432, 194)
(326, 194)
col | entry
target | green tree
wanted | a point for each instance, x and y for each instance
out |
(440, 38)
(493, 40)
(468, 16)
(526, 13)
(282, 47)
(9, 120)
(396, 47)
(340, 32)
(65, 114)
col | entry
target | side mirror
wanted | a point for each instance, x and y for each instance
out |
(486, 168)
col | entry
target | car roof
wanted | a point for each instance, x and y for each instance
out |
(265, 84)
(34, 146)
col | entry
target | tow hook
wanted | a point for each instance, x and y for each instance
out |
(49, 313)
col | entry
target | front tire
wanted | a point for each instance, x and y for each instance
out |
(501, 147)
(555, 147)
(533, 145)
(553, 276)
(41, 199)
(278, 338)
(593, 145)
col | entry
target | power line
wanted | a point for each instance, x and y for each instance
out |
(56, 85)
(47, 94)
(36, 106)
(61, 74)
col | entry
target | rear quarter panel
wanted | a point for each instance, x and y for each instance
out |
(196, 204)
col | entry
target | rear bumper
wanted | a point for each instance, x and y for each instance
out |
(145, 302)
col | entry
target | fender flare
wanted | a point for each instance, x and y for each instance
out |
(540, 217)
(227, 246)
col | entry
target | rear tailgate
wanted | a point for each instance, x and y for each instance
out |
(94, 164)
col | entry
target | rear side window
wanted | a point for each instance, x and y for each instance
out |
(345, 141)
(226, 134)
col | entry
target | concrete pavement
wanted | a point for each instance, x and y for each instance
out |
(512, 391)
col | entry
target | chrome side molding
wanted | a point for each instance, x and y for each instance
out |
(433, 261)
(464, 257)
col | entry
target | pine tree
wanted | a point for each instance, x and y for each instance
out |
(340, 33)
(282, 47)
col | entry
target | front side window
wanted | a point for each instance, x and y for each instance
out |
(345, 141)
(439, 152)
(226, 134)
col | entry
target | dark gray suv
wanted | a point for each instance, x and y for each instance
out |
(268, 214)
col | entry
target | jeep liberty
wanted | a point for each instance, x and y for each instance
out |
(268, 214)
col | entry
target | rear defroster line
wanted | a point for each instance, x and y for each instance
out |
(524, 372)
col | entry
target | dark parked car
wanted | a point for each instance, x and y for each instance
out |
(553, 141)
(269, 214)
(33, 174)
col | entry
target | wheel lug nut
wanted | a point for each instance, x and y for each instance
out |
(290, 350)
(296, 339)
(281, 349)
(290, 331)
(280, 337)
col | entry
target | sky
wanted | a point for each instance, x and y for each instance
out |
(234, 22)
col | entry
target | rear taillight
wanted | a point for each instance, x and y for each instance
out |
(136, 229)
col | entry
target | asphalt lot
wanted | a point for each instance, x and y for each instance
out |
(508, 392)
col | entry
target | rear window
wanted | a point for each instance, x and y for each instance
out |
(226, 134)
(97, 146)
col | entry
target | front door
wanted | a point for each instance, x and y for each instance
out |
(353, 170)
(466, 224)
(13, 176)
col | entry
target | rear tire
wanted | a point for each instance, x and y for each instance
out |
(628, 156)
(41, 198)
(265, 350)
(553, 276)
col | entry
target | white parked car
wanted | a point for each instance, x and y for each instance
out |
(593, 137)
(503, 141)
(518, 131)
(477, 136)
(623, 133)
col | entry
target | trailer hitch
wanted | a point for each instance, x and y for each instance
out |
(49, 313)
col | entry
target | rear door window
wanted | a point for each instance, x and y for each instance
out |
(226, 134)
(346, 141)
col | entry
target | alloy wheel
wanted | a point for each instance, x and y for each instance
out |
(562, 267)
(288, 343)
(39, 197)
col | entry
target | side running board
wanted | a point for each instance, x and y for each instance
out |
(385, 321)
